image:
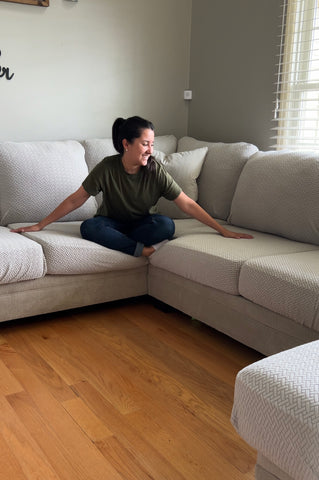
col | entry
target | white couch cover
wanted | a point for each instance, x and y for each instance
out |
(276, 409)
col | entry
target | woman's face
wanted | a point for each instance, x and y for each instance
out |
(139, 151)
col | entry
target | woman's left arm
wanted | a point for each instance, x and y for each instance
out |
(191, 208)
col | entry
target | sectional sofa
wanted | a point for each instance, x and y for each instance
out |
(263, 292)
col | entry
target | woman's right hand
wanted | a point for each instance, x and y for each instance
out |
(73, 201)
(31, 228)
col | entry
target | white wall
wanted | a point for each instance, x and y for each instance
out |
(78, 66)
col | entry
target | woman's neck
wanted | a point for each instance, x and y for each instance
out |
(129, 166)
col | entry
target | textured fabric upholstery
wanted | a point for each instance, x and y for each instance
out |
(37, 176)
(221, 169)
(186, 226)
(54, 293)
(276, 409)
(20, 259)
(67, 253)
(278, 192)
(215, 261)
(96, 149)
(266, 470)
(185, 168)
(286, 284)
(165, 143)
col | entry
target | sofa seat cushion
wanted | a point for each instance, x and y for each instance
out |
(20, 258)
(215, 261)
(37, 176)
(285, 284)
(276, 410)
(66, 253)
(190, 225)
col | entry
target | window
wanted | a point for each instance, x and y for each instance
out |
(297, 96)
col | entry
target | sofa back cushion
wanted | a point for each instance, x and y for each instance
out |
(96, 149)
(220, 172)
(278, 193)
(185, 168)
(36, 176)
(166, 144)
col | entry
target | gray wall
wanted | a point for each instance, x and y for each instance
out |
(77, 66)
(233, 66)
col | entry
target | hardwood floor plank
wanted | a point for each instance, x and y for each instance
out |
(72, 356)
(217, 361)
(9, 465)
(145, 454)
(90, 463)
(8, 383)
(205, 335)
(50, 443)
(26, 451)
(237, 451)
(122, 391)
(123, 460)
(87, 420)
(196, 378)
(149, 376)
(21, 339)
(159, 363)
(183, 449)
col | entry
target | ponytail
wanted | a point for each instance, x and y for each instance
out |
(116, 135)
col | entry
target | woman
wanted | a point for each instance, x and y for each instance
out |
(131, 182)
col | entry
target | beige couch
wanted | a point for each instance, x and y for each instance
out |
(276, 412)
(263, 292)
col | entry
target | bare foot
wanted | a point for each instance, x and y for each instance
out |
(147, 251)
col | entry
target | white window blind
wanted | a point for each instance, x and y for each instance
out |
(297, 96)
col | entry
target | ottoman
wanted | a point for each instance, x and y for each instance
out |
(276, 411)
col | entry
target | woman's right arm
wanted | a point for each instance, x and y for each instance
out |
(74, 201)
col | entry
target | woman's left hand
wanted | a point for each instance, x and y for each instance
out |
(229, 234)
(191, 208)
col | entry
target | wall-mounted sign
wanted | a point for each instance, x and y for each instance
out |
(5, 72)
(38, 3)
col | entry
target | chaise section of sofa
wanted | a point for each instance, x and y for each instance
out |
(276, 412)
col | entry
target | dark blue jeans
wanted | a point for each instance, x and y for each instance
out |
(128, 237)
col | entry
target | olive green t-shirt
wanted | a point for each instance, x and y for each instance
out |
(128, 197)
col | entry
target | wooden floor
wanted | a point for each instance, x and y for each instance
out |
(119, 391)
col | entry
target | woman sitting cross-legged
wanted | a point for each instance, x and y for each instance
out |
(131, 182)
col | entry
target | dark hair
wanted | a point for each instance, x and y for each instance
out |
(130, 129)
